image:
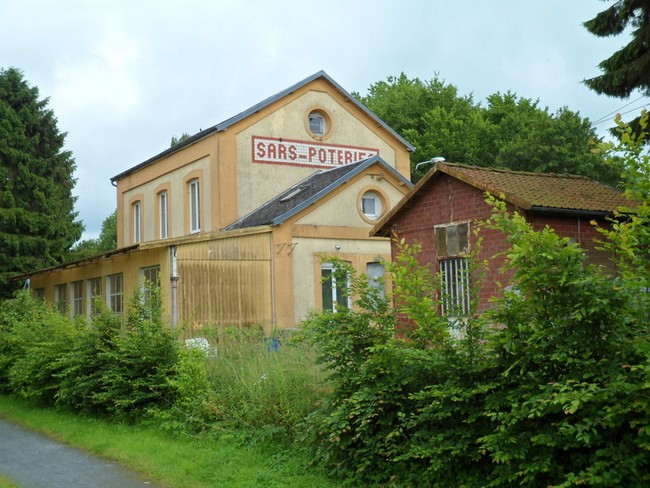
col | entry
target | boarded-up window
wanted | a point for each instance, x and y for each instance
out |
(376, 277)
(452, 240)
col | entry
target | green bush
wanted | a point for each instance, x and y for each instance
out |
(33, 336)
(118, 368)
(550, 388)
(124, 367)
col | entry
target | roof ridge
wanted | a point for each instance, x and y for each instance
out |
(516, 172)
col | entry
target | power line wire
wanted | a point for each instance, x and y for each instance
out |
(606, 117)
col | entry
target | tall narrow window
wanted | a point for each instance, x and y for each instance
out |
(77, 298)
(115, 291)
(195, 206)
(452, 246)
(61, 298)
(137, 222)
(376, 277)
(94, 295)
(163, 214)
(150, 280)
(455, 287)
(335, 288)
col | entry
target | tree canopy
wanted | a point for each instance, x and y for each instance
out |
(508, 132)
(107, 240)
(628, 68)
(38, 223)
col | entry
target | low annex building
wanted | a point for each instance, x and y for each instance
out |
(445, 207)
(236, 222)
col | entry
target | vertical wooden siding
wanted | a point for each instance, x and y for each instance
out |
(226, 281)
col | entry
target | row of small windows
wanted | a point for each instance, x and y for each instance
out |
(194, 206)
(81, 297)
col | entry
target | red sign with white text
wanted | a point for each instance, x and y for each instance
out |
(304, 153)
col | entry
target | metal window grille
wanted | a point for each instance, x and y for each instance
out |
(455, 287)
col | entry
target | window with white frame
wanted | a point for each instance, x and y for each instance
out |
(163, 224)
(115, 292)
(317, 123)
(137, 222)
(77, 299)
(150, 281)
(371, 205)
(194, 205)
(94, 294)
(452, 247)
(61, 297)
(335, 288)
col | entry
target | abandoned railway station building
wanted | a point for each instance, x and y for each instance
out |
(237, 222)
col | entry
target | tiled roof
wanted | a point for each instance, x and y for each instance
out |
(307, 192)
(540, 190)
(256, 108)
(529, 191)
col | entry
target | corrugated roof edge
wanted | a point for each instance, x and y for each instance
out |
(256, 108)
(78, 262)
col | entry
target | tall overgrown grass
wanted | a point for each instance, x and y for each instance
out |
(261, 387)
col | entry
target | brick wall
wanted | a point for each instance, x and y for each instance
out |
(447, 200)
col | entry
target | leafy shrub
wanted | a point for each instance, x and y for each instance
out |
(548, 389)
(32, 338)
(121, 369)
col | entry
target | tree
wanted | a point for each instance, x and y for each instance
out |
(107, 240)
(627, 69)
(509, 132)
(38, 224)
(177, 140)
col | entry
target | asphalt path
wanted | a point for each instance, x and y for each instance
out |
(32, 460)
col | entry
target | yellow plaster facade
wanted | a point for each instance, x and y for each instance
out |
(267, 275)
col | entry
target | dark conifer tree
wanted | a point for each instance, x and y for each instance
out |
(38, 223)
(628, 68)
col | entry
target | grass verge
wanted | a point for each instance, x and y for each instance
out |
(174, 462)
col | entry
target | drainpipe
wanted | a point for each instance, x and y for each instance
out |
(173, 281)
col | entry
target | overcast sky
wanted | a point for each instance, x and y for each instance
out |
(123, 77)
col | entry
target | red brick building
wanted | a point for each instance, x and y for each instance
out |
(445, 207)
